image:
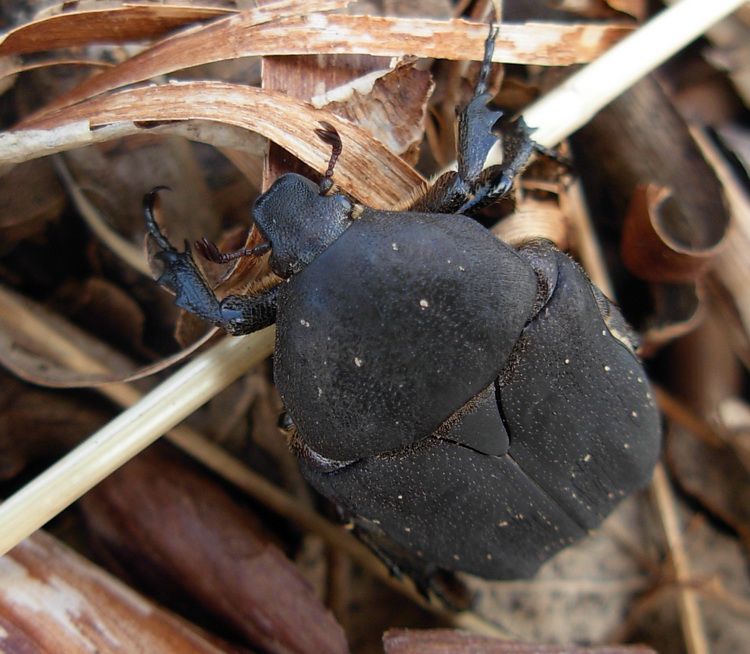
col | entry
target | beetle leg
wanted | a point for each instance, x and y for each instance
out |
(236, 314)
(471, 188)
(429, 580)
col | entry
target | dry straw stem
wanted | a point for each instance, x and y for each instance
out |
(691, 618)
(160, 410)
(572, 104)
(57, 345)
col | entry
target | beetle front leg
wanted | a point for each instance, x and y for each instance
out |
(471, 187)
(235, 314)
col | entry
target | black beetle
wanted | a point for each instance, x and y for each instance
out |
(470, 406)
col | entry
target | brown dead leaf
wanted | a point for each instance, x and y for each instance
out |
(113, 25)
(284, 120)
(40, 425)
(256, 33)
(43, 348)
(389, 106)
(106, 310)
(186, 523)
(38, 350)
(30, 197)
(677, 309)
(648, 248)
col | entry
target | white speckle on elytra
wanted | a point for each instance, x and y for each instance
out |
(566, 362)
(462, 269)
(634, 414)
(604, 332)
(587, 458)
(626, 446)
(504, 523)
(489, 557)
(358, 362)
(401, 497)
(424, 303)
(304, 323)
(607, 368)
(394, 247)
(407, 529)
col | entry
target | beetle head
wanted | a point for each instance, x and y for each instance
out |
(299, 221)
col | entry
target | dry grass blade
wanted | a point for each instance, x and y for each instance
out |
(252, 33)
(282, 119)
(574, 102)
(128, 434)
(691, 619)
(115, 25)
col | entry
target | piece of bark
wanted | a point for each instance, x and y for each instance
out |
(446, 641)
(640, 139)
(175, 530)
(53, 600)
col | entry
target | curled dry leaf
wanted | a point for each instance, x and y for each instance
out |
(43, 348)
(298, 30)
(35, 345)
(53, 600)
(186, 526)
(282, 119)
(391, 106)
(30, 197)
(631, 145)
(677, 309)
(648, 248)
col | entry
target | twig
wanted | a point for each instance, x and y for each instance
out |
(691, 617)
(133, 430)
(572, 104)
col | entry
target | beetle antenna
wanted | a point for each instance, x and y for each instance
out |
(210, 252)
(489, 50)
(330, 136)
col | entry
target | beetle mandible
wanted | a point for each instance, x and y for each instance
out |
(470, 406)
